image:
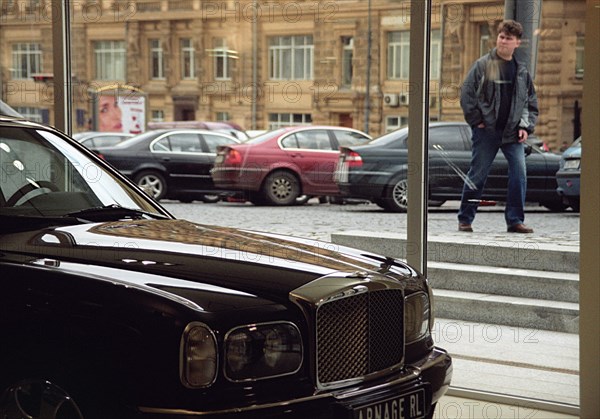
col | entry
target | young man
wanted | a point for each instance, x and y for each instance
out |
(500, 104)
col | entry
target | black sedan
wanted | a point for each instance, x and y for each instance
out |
(378, 171)
(568, 177)
(112, 308)
(170, 163)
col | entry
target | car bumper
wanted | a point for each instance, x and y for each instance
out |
(363, 190)
(568, 183)
(413, 391)
(236, 179)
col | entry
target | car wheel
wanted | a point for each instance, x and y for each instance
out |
(396, 196)
(37, 399)
(574, 204)
(153, 183)
(281, 188)
(210, 199)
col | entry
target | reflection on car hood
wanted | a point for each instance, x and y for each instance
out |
(178, 250)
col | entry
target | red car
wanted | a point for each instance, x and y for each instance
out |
(277, 167)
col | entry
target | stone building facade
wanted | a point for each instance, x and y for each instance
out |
(264, 64)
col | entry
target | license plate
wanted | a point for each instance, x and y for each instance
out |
(405, 406)
(341, 173)
(572, 164)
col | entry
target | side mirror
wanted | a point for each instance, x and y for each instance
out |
(528, 149)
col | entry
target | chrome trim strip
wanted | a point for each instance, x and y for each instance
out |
(436, 356)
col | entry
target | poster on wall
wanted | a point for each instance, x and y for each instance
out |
(120, 110)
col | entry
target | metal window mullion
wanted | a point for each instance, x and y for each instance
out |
(61, 49)
(418, 135)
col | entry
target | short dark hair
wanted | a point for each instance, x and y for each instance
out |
(511, 27)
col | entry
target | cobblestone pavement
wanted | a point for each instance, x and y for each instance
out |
(318, 221)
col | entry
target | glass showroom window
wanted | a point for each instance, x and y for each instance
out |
(157, 64)
(110, 60)
(188, 59)
(291, 57)
(26, 60)
(463, 39)
(280, 120)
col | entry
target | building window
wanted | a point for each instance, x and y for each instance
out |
(291, 57)
(157, 115)
(579, 43)
(222, 116)
(484, 39)
(221, 59)
(393, 123)
(26, 60)
(347, 60)
(157, 64)
(31, 113)
(110, 60)
(188, 59)
(398, 55)
(279, 120)
(435, 53)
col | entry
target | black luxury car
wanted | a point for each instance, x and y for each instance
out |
(170, 163)
(378, 170)
(112, 308)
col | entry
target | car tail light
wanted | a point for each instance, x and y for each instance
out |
(233, 156)
(353, 158)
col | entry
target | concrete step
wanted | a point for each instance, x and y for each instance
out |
(516, 282)
(535, 284)
(507, 251)
(527, 313)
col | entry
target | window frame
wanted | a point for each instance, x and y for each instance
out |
(110, 59)
(28, 53)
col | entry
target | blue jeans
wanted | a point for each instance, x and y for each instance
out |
(486, 143)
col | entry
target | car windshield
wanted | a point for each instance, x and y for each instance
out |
(391, 137)
(43, 175)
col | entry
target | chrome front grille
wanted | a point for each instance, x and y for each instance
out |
(359, 335)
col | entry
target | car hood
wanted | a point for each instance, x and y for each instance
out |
(168, 253)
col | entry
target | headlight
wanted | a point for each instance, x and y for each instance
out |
(416, 316)
(264, 350)
(198, 365)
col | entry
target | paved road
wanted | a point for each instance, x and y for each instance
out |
(318, 221)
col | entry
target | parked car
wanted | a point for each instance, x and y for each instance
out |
(569, 175)
(279, 166)
(378, 171)
(112, 308)
(93, 139)
(170, 163)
